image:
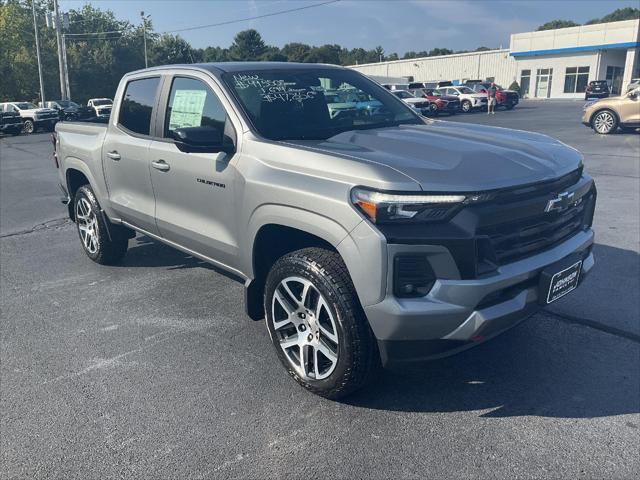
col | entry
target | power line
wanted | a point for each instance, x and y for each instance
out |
(228, 22)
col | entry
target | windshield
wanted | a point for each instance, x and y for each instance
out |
(66, 103)
(24, 106)
(465, 90)
(297, 104)
(104, 101)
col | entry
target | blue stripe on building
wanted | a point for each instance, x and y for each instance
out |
(586, 48)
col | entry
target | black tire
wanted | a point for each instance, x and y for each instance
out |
(604, 121)
(356, 350)
(509, 106)
(106, 247)
(28, 126)
(466, 106)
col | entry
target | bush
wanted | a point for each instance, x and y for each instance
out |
(516, 87)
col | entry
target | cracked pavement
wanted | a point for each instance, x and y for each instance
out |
(150, 369)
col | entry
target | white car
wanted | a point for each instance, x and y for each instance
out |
(635, 83)
(421, 105)
(102, 106)
(469, 100)
(32, 116)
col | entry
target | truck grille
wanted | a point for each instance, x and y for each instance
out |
(521, 238)
(524, 228)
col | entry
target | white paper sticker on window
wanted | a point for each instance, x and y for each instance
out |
(187, 108)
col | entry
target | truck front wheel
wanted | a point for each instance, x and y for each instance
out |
(317, 325)
(28, 126)
(103, 246)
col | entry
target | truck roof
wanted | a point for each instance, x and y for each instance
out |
(226, 67)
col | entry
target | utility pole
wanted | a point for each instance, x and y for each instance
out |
(66, 68)
(144, 34)
(35, 28)
(58, 23)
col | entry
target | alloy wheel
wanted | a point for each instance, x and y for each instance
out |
(28, 127)
(87, 225)
(604, 122)
(305, 328)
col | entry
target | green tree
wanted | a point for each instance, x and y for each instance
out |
(627, 13)
(247, 46)
(170, 49)
(296, 52)
(553, 24)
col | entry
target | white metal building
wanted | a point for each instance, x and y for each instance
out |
(548, 64)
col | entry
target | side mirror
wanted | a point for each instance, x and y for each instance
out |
(633, 93)
(204, 139)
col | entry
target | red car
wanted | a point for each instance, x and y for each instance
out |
(504, 98)
(443, 103)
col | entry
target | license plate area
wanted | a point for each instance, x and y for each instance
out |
(558, 280)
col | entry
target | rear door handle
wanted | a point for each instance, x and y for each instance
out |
(113, 155)
(160, 165)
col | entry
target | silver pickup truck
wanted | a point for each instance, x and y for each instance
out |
(377, 238)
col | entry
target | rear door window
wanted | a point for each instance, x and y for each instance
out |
(137, 105)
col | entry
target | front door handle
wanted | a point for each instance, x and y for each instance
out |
(160, 165)
(113, 155)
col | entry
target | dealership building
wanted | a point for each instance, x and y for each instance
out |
(548, 64)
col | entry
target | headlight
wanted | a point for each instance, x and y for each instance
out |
(381, 207)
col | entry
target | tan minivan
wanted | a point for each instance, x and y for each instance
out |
(607, 114)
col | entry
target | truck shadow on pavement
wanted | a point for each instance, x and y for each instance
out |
(545, 367)
(145, 252)
(541, 368)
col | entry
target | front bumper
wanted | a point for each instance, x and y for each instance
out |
(458, 314)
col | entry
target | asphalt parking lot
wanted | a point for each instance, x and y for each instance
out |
(151, 370)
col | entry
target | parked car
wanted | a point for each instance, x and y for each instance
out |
(386, 241)
(504, 98)
(10, 121)
(101, 106)
(421, 105)
(597, 89)
(33, 118)
(68, 110)
(633, 84)
(469, 100)
(395, 86)
(439, 103)
(430, 85)
(606, 115)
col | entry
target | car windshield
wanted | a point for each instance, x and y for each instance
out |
(66, 103)
(465, 90)
(295, 104)
(24, 106)
(104, 101)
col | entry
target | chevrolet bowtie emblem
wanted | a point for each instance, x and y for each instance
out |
(562, 201)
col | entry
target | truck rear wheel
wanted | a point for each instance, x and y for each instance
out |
(317, 325)
(103, 246)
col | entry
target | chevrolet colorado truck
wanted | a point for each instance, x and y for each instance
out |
(363, 241)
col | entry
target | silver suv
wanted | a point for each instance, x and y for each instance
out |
(379, 237)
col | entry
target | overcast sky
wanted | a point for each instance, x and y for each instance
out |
(396, 25)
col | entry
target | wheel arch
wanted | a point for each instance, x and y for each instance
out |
(274, 231)
(76, 174)
(608, 109)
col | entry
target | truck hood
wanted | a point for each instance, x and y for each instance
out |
(456, 157)
(38, 111)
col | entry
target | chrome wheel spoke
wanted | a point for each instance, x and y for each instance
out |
(305, 328)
